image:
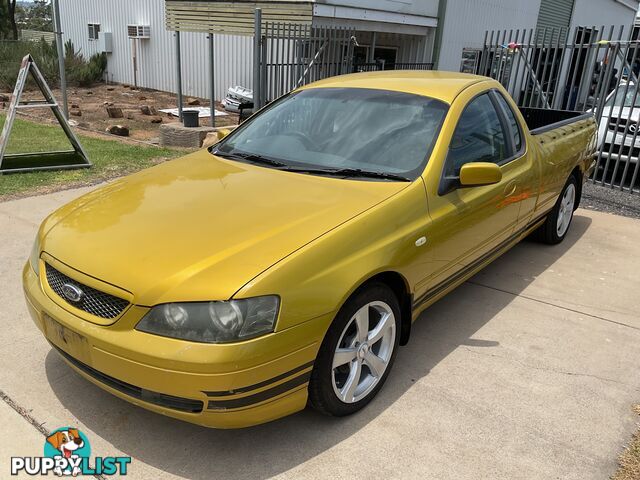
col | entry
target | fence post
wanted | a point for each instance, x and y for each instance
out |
(212, 83)
(257, 35)
(60, 47)
(372, 48)
(179, 74)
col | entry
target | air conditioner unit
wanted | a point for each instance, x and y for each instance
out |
(105, 42)
(139, 31)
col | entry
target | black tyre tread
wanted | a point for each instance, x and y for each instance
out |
(319, 399)
(547, 231)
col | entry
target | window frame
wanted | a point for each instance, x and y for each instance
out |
(449, 184)
(91, 27)
(515, 154)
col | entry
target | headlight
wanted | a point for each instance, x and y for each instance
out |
(34, 258)
(213, 322)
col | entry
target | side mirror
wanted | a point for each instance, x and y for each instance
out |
(223, 132)
(479, 173)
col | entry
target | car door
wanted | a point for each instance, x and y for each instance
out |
(468, 223)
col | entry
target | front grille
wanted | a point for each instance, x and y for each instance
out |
(160, 399)
(623, 125)
(623, 151)
(93, 301)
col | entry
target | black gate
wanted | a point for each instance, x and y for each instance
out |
(592, 69)
(293, 55)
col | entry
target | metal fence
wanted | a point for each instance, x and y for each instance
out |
(377, 66)
(588, 69)
(293, 55)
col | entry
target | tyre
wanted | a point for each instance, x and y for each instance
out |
(357, 352)
(557, 224)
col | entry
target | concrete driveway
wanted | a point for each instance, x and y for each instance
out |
(527, 371)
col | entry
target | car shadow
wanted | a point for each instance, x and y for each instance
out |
(260, 452)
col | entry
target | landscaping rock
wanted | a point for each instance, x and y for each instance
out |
(76, 112)
(110, 89)
(210, 139)
(114, 112)
(120, 130)
(195, 101)
(156, 120)
(177, 135)
(147, 110)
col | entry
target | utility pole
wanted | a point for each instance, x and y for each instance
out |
(179, 75)
(60, 47)
(257, 34)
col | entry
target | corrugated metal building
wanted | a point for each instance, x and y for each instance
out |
(155, 55)
(465, 22)
(386, 30)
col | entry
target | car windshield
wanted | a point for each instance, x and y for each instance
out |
(624, 100)
(326, 130)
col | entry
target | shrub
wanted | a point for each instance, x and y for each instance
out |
(88, 73)
(79, 70)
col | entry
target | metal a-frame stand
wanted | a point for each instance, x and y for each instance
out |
(30, 162)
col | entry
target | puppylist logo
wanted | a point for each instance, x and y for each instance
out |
(67, 452)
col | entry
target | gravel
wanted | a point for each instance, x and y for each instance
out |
(610, 200)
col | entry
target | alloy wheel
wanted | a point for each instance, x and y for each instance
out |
(363, 352)
(566, 210)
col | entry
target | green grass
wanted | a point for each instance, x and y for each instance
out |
(110, 158)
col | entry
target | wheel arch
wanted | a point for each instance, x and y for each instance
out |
(577, 172)
(400, 287)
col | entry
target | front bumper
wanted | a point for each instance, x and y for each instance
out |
(222, 386)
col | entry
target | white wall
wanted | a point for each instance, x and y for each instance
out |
(587, 13)
(467, 21)
(156, 56)
(411, 7)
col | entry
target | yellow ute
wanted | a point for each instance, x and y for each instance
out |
(286, 264)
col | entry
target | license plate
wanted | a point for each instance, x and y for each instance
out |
(66, 339)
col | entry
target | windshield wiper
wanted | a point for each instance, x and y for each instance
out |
(357, 172)
(354, 173)
(339, 172)
(251, 157)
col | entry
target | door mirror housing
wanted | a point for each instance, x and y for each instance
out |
(223, 132)
(479, 173)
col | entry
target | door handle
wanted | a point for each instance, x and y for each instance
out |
(510, 189)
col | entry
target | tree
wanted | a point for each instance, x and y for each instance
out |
(11, 7)
(5, 28)
(38, 16)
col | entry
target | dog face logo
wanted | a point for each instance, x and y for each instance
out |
(67, 441)
(67, 452)
(70, 444)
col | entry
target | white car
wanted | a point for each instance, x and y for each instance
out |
(619, 126)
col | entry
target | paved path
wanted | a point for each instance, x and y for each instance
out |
(527, 371)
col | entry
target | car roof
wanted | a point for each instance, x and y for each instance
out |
(444, 86)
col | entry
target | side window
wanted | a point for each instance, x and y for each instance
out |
(511, 119)
(479, 137)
